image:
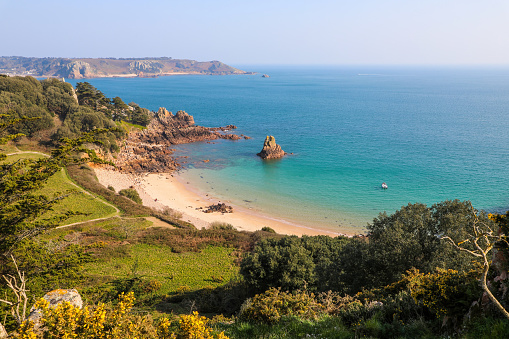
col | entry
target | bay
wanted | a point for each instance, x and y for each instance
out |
(430, 133)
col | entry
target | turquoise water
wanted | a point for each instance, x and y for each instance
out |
(431, 134)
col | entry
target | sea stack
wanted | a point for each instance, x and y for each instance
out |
(270, 149)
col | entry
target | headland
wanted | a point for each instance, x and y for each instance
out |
(83, 68)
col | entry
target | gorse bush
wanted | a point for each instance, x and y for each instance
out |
(118, 322)
(271, 306)
(446, 292)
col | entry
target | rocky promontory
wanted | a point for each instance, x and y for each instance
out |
(149, 150)
(82, 68)
(270, 149)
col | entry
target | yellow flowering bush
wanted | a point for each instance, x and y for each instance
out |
(270, 306)
(66, 321)
(447, 292)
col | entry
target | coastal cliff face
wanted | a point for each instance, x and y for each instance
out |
(270, 149)
(149, 150)
(81, 68)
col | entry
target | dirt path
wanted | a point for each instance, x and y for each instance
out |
(155, 222)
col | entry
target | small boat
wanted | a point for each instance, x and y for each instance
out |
(384, 185)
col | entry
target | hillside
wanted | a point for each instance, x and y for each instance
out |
(421, 272)
(81, 68)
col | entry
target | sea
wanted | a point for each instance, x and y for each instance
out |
(430, 133)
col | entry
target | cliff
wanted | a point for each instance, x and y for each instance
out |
(81, 68)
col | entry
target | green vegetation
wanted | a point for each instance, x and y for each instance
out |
(132, 194)
(420, 272)
(176, 272)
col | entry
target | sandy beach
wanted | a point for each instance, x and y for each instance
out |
(159, 190)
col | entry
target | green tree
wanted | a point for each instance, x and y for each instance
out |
(140, 116)
(410, 238)
(59, 97)
(90, 96)
(121, 109)
(20, 204)
(276, 263)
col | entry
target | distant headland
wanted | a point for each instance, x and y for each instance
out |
(83, 68)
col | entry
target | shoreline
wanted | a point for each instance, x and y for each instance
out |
(158, 190)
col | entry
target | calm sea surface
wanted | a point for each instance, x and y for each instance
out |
(431, 134)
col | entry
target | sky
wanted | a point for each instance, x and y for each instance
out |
(237, 32)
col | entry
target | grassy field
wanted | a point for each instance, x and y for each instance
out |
(8, 148)
(77, 200)
(177, 272)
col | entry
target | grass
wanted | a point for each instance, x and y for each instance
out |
(59, 184)
(177, 272)
(19, 156)
(79, 201)
(113, 228)
(85, 177)
(8, 148)
(129, 127)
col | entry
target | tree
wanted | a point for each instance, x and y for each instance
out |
(281, 263)
(410, 238)
(20, 204)
(90, 96)
(121, 110)
(483, 236)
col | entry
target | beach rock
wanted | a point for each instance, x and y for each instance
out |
(270, 149)
(221, 207)
(54, 298)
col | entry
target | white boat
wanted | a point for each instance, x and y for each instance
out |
(384, 185)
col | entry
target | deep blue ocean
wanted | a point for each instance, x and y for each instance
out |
(431, 134)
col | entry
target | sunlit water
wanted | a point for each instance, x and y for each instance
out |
(431, 134)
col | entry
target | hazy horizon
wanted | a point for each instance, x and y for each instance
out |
(276, 32)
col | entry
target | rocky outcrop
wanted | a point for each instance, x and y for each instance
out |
(220, 207)
(77, 70)
(3, 332)
(54, 298)
(270, 149)
(149, 150)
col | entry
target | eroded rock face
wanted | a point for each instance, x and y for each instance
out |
(78, 70)
(270, 149)
(54, 298)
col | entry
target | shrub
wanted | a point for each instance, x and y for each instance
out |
(111, 188)
(270, 306)
(217, 225)
(267, 229)
(68, 321)
(132, 194)
(171, 213)
(447, 292)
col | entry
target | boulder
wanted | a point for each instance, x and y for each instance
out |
(3, 332)
(220, 207)
(270, 149)
(54, 298)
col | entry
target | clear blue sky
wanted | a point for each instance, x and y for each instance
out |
(342, 32)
